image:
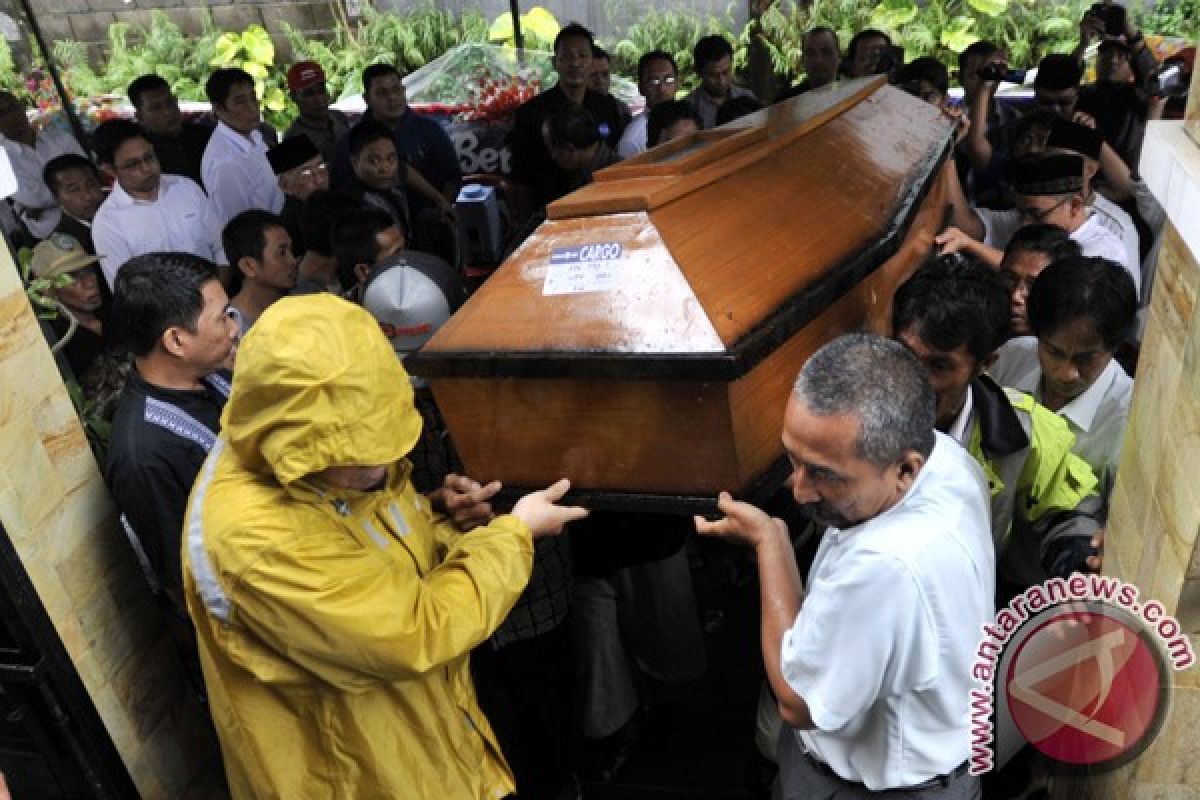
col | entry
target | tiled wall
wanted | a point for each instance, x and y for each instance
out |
(55, 508)
(1155, 517)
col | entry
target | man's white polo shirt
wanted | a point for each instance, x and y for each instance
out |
(28, 163)
(1093, 237)
(180, 220)
(237, 175)
(633, 139)
(1097, 417)
(882, 648)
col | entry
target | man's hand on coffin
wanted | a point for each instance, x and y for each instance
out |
(742, 522)
(958, 115)
(539, 510)
(466, 502)
(1083, 118)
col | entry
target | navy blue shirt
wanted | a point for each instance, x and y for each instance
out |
(419, 140)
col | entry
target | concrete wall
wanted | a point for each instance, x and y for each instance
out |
(88, 20)
(58, 514)
(1155, 518)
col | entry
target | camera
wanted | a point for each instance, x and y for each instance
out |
(890, 59)
(1000, 72)
(1172, 80)
(1113, 17)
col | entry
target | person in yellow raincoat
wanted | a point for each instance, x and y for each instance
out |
(334, 610)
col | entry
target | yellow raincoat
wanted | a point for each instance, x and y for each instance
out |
(334, 626)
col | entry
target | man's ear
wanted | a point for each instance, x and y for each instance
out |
(361, 271)
(248, 266)
(172, 341)
(907, 470)
(108, 172)
(990, 360)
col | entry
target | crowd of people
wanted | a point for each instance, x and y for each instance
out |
(356, 614)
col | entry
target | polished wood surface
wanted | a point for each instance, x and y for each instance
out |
(651, 310)
(750, 246)
(720, 258)
(666, 438)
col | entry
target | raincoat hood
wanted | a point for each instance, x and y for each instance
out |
(318, 385)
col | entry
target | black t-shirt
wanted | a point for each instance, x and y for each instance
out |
(1120, 112)
(183, 154)
(531, 162)
(160, 438)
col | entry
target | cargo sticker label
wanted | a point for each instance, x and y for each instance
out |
(584, 268)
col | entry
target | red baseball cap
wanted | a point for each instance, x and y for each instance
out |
(304, 75)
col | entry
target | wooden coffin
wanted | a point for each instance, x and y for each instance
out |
(644, 340)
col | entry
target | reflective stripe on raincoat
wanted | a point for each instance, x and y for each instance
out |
(334, 626)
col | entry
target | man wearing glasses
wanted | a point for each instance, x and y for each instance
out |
(147, 211)
(320, 123)
(302, 170)
(657, 83)
(1046, 189)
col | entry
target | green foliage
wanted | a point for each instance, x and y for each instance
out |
(538, 29)
(253, 51)
(674, 31)
(408, 40)
(1169, 18)
(10, 76)
(1026, 29)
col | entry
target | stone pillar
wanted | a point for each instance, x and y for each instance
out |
(58, 516)
(1152, 530)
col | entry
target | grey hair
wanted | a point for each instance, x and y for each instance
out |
(880, 382)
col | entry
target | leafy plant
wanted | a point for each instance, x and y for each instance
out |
(538, 29)
(253, 51)
(408, 40)
(674, 31)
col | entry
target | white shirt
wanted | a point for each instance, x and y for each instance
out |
(32, 193)
(1093, 237)
(1121, 225)
(237, 175)
(1097, 417)
(883, 646)
(958, 431)
(181, 219)
(706, 109)
(633, 140)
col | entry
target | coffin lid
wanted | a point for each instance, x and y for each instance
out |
(698, 258)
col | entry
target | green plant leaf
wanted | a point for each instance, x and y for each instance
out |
(501, 29)
(258, 45)
(991, 8)
(894, 14)
(1056, 26)
(275, 100)
(255, 70)
(540, 23)
(229, 47)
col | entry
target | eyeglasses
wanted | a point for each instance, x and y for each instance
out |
(667, 81)
(312, 173)
(1035, 214)
(148, 160)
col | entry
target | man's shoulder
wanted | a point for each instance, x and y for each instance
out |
(181, 186)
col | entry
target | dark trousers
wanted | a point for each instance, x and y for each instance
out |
(800, 778)
(527, 691)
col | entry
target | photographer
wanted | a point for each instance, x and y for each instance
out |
(1121, 99)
